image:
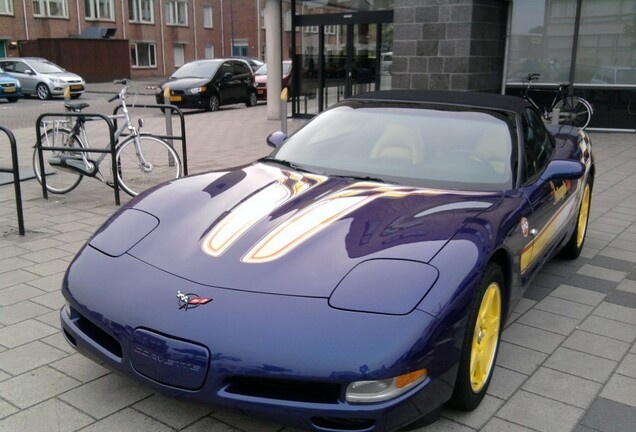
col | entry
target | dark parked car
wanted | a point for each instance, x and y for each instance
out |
(355, 279)
(253, 62)
(261, 78)
(42, 78)
(10, 88)
(208, 84)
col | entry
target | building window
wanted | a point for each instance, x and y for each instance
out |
(179, 55)
(288, 19)
(6, 7)
(177, 12)
(141, 11)
(142, 55)
(207, 17)
(240, 49)
(209, 52)
(99, 10)
(50, 8)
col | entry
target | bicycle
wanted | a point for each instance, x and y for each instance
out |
(573, 110)
(143, 160)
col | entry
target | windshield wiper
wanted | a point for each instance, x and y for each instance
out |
(359, 177)
(283, 162)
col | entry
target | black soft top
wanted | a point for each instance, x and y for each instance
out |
(489, 101)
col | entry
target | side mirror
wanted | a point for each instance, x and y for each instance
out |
(227, 76)
(28, 72)
(276, 139)
(563, 170)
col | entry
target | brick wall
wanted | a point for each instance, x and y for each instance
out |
(449, 45)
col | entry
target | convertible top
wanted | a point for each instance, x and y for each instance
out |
(459, 98)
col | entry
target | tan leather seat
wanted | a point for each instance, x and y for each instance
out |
(398, 141)
(494, 147)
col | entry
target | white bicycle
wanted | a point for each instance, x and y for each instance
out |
(143, 160)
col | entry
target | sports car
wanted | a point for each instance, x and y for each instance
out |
(356, 279)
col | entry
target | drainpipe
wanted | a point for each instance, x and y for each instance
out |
(222, 31)
(79, 21)
(26, 23)
(123, 21)
(163, 44)
(194, 18)
(258, 28)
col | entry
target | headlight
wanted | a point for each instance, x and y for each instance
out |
(387, 286)
(123, 231)
(67, 309)
(381, 390)
(196, 90)
(58, 81)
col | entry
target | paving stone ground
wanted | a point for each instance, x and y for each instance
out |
(567, 360)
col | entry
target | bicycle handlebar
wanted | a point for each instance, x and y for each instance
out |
(123, 81)
(113, 98)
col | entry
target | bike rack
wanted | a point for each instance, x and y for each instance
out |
(16, 177)
(181, 138)
(111, 132)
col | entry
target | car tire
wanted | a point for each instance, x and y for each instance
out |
(213, 103)
(481, 341)
(252, 101)
(42, 91)
(12, 99)
(574, 246)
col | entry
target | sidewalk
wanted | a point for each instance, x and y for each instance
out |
(567, 360)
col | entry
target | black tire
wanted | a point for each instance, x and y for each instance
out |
(42, 91)
(574, 111)
(58, 180)
(213, 103)
(164, 162)
(574, 246)
(12, 99)
(481, 340)
(252, 101)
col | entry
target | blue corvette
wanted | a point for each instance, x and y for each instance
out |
(356, 279)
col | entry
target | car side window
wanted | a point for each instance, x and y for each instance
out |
(7, 66)
(226, 68)
(538, 146)
(20, 67)
(240, 69)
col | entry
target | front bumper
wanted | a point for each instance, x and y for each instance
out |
(57, 89)
(184, 101)
(283, 358)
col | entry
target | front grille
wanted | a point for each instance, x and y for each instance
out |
(99, 336)
(281, 389)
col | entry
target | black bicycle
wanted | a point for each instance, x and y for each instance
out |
(573, 110)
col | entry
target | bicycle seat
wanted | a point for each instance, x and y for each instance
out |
(75, 106)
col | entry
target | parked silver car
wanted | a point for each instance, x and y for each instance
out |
(41, 77)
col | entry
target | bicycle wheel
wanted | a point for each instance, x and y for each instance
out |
(59, 180)
(575, 111)
(134, 176)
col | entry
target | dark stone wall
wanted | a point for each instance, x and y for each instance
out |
(449, 44)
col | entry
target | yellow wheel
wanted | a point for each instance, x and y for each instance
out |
(481, 340)
(574, 246)
(485, 337)
(584, 212)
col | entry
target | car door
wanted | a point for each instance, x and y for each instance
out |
(546, 220)
(226, 79)
(243, 76)
(26, 75)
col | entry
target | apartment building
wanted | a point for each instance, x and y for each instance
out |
(162, 34)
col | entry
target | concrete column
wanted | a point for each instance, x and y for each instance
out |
(274, 57)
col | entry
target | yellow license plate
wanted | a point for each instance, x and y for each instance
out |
(9, 90)
(175, 98)
(76, 87)
(261, 91)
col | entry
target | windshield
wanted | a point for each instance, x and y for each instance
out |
(467, 150)
(198, 69)
(46, 67)
(263, 69)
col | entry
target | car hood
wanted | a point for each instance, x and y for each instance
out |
(185, 83)
(265, 229)
(66, 76)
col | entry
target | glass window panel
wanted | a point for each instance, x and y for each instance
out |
(6, 7)
(541, 40)
(207, 16)
(606, 52)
